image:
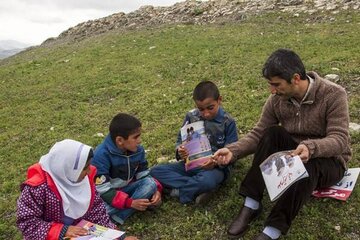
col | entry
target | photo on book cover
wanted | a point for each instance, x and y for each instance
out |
(196, 143)
(341, 190)
(280, 170)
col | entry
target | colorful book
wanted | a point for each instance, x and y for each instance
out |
(196, 143)
(342, 189)
(280, 170)
(97, 232)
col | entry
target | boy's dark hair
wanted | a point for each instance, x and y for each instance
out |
(206, 89)
(284, 63)
(123, 125)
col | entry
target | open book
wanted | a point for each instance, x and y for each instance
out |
(197, 144)
(342, 189)
(97, 232)
(280, 170)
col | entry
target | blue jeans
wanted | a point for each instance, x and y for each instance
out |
(141, 189)
(190, 183)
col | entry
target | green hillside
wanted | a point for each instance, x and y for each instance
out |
(72, 90)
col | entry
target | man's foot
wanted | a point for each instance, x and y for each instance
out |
(262, 236)
(240, 224)
(203, 198)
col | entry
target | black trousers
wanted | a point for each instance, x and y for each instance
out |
(323, 172)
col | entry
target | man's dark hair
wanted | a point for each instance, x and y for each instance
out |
(206, 89)
(123, 125)
(284, 63)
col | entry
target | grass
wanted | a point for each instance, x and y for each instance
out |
(72, 90)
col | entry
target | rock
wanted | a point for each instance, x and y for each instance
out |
(354, 127)
(99, 135)
(332, 77)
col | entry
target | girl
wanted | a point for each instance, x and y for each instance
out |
(59, 192)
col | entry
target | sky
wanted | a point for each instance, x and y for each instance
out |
(33, 21)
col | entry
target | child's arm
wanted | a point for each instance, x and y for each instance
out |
(113, 197)
(230, 132)
(30, 212)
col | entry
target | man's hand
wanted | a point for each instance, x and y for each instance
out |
(183, 152)
(156, 198)
(75, 231)
(208, 165)
(140, 204)
(303, 153)
(223, 156)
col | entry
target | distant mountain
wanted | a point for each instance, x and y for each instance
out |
(12, 44)
(11, 47)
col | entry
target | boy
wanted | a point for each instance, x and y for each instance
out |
(122, 178)
(220, 129)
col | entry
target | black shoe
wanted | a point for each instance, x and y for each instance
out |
(240, 224)
(262, 236)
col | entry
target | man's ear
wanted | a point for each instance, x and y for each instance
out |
(296, 79)
(220, 99)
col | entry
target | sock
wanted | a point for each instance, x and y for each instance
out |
(174, 192)
(251, 203)
(272, 232)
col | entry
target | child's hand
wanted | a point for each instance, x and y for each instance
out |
(208, 165)
(183, 152)
(75, 231)
(140, 204)
(156, 198)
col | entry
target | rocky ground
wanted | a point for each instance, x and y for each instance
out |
(203, 12)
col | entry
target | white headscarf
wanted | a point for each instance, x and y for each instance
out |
(64, 163)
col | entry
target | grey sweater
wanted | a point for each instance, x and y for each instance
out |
(320, 121)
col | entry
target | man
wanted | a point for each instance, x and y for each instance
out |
(306, 114)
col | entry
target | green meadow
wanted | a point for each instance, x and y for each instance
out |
(73, 89)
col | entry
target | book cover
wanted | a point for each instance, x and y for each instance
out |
(196, 143)
(97, 232)
(280, 170)
(342, 189)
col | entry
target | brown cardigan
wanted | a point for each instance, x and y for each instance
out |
(321, 122)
